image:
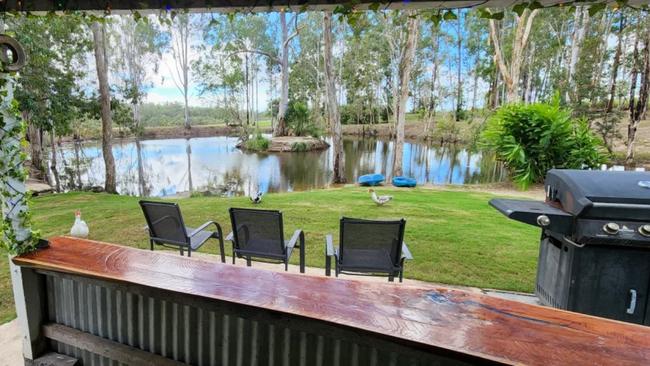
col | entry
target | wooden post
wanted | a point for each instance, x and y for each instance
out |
(30, 301)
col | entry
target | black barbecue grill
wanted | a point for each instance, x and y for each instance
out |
(594, 255)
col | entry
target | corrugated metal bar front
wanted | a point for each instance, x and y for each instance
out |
(200, 331)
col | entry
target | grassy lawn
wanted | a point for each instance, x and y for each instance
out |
(455, 236)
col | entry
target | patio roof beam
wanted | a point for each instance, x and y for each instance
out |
(121, 6)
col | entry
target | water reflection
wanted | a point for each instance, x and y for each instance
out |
(214, 165)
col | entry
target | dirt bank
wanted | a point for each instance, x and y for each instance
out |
(195, 131)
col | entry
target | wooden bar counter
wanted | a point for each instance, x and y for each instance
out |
(455, 325)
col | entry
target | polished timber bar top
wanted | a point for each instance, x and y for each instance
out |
(432, 318)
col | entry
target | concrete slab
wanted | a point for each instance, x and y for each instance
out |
(11, 345)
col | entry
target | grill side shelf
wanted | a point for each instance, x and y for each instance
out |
(529, 212)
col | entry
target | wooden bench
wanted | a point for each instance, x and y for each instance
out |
(97, 301)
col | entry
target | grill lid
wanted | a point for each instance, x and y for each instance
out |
(596, 193)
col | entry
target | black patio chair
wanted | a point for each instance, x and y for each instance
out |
(368, 247)
(166, 227)
(259, 235)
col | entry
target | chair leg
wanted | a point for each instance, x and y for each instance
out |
(328, 265)
(182, 252)
(302, 253)
(222, 250)
(401, 276)
(248, 261)
(286, 265)
(233, 256)
(391, 278)
(189, 251)
(151, 243)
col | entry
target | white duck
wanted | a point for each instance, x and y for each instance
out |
(379, 200)
(256, 199)
(79, 229)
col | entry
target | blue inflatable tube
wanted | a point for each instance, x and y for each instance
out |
(404, 182)
(371, 179)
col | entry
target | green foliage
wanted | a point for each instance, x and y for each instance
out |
(531, 139)
(17, 234)
(171, 114)
(446, 130)
(257, 143)
(299, 120)
(299, 147)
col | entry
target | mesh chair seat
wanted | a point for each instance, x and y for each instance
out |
(260, 234)
(368, 246)
(367, 259)
(262, 247)
(166, 227)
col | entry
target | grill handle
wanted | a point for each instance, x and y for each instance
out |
(573, 242)
(630, 310)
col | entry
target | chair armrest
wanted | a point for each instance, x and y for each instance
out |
(294, 239)
(230, 237)
(203, 227)
(329, 246)
(406, 253)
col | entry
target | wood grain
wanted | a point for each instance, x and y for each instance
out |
(434, 318)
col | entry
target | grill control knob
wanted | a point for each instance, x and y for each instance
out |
(544, 221)
(611, 228)
(644, 230)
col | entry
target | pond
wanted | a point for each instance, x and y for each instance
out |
(214, 165)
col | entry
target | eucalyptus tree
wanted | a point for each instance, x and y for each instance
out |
(405, 67)
(332, 101)
(510, 68)
(365, 67)
(138, 46)
(47, 90)
(180, 29)
(640, 70)
(231, 47)
(101, 63)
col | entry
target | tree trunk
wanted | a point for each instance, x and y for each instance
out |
(188, 151)
(332, 101)
(615, 64)
(36, 150)
(510, 72)
(580, 19)
(431, 108)
(142, 181)
(405, 67)
(55, 172)
(637, 110)
(459, 81)
(105, 101)
(281, 128)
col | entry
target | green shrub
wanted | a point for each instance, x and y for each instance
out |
(299, 147)
(446, 130)
(531, 139)
(299, 120)
(257, 143)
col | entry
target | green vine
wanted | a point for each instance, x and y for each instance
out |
(18, 237)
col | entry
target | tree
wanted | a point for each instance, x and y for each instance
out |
(406, 64)
(180, 40)
(101, 62)
(637, 108)
(332, 101)
(47, 89)
(616, 63)
(139, 45)
(511, 69)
